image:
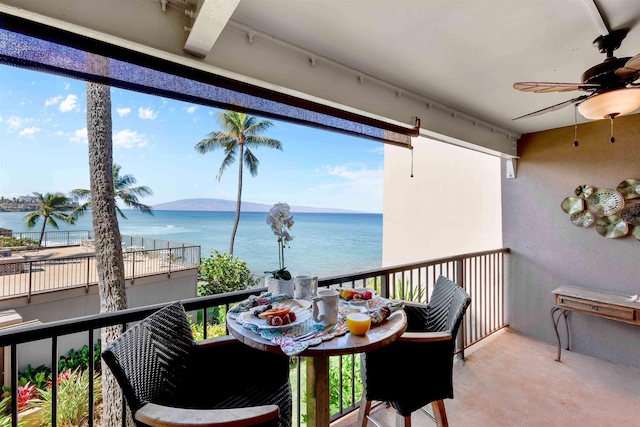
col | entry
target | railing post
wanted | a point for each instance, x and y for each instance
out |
(460, 279)
(88, 273)
(384, 285)
(133, 266)
(29, 292)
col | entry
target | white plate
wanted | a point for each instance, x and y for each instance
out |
(299, 307)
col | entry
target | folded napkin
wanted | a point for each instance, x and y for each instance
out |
(256, 300)
(297, 339)
(381, 313)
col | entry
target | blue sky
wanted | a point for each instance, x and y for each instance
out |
(43, 148)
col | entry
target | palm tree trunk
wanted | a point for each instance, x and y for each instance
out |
(110, 266)
(44, 224)
(238, 199)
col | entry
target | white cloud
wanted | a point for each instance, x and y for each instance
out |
(67, 86)
(147, 113)
(354, 175)
(59, 133)
(16, 122)
(358, 188)
(123, 111)
(128, 139)
(80, 136)
(29, 132)
(53, 100)
(192, 109)
(70, 103)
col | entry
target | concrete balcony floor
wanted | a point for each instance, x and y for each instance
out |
(512, 380)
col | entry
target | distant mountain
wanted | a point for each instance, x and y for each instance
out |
(221, 205)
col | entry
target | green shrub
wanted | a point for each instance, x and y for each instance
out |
(337, 389)
(405, 292)
(212, 330)
(36, 376)
(73, 398)
(10, 241)
(349, 363)
(222, 273)
(5, 412)
(80, 359)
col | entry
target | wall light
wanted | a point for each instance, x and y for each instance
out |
(611, 104)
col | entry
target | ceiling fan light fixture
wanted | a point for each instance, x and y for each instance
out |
(612, 103)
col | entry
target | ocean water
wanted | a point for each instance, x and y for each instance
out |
(324, 244)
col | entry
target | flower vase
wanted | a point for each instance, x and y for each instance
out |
(279, 286)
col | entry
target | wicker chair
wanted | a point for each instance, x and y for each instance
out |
(170, 380)
(425, 353)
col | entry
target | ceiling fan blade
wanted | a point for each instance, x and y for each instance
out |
(545, 87)
(555, 107)
(630, 70)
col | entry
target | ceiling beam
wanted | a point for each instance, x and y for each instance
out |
(210, 19)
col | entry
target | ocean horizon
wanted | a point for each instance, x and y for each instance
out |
(323, 245)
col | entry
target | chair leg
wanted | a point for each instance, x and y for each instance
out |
(402, 421)
(365, 408)
(439, 413)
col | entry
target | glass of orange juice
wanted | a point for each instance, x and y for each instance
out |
(358, 319)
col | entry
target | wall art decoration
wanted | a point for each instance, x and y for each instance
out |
(615, 213)
(572, 204)
(629, 188)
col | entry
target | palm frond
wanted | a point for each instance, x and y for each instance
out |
(52, 222)
(263, 141)
(120, 212)
(251, 162)
(80, 194)
(80, 210)
(31, 219)
(226, 162)
(259, 127)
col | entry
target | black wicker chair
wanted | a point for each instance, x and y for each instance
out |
(423, 355)
(168, 379)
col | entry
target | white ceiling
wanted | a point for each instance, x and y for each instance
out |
(465, 54)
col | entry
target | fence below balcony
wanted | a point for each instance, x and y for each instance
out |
(52, 239)
(142, 256)
(480, 274)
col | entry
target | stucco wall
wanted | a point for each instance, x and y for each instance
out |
(450, 206)
(65, 304)
(548, 251)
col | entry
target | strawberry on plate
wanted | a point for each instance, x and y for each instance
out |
(277, 311)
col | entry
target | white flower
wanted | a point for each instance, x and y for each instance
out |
(281, 221)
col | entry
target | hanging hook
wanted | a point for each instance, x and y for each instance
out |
(411, 148)
(575, 129)
(611, 117)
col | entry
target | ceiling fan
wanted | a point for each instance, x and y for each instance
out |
(611, 85)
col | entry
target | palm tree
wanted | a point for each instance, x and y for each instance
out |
(238, 137)
(122, 188)
(51, 206)
(110, 266)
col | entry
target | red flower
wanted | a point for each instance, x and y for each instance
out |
(26, 393)
(66, 375)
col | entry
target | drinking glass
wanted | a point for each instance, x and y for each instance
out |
(358, 319)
